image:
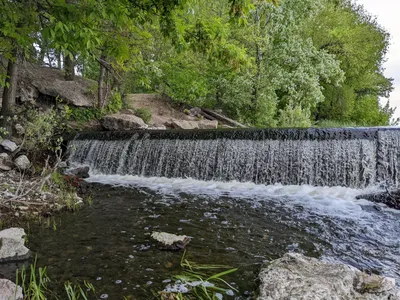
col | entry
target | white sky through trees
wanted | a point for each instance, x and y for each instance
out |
(388, 15)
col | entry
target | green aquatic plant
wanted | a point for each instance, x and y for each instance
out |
(35, 285)
(75, 291)
(200, 284)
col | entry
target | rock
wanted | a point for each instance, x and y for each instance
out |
(62, 164)
(295, 276)
(82, 172)
(9, 145)
(5, 162)
(157, 127)
(195, 112)
(27, 93)
(10, 291)
(22, 162)
(12, 245)
(203, 124)
(19, 130)
(121, 122)
(168, 241)
(390, 198)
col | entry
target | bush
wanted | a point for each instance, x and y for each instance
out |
(143, 113)
(113, 106)
(43, 129)
(294, 116)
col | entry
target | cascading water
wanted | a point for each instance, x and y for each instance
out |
(222, 189)
(349, 157)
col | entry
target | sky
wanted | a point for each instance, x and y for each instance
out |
(387, 13)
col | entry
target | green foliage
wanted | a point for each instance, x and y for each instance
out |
(114, 105)
(294, 116)
(143, 113)
(347, 31)
(264, 63)
(78, 114)
(43, 129)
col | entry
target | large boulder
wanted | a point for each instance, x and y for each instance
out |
(202, 124)
(9, 145)
(22, 162)
(121, 122)
(295, 276)
(10, 291)
(36, 82)
(12, 245)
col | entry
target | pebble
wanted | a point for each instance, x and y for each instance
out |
(118, 281)
(104, 296)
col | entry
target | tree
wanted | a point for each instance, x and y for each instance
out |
(349, 33)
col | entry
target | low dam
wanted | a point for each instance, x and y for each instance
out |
(350, 157)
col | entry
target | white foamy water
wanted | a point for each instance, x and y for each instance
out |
(333, 201)
(359, 232)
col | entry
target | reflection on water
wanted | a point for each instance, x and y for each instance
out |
(242, 225)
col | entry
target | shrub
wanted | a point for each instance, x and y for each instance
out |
(143, 113)
(43, 129)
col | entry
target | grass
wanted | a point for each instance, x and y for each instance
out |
(201, 285)
(35, 286)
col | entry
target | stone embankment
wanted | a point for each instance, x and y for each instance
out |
(12, 248)
(295, 276)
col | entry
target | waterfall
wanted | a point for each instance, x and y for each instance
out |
(352, 157)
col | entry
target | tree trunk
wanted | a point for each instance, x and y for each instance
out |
(101, 82)
(259, 57)
(69, 67)
(9, 93)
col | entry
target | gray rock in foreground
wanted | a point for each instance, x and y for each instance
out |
(121, 122)
(10, 291)
(9, 145)
(295, 276)
(12, 245)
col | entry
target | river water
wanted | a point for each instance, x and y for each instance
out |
(243, 225)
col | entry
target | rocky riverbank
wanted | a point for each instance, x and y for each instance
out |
(12, 248)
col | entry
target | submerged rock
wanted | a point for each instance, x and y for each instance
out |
(82, 172)
(10, 291)
(390, 198)
(295, 276)
(122, 122)
(169, 241)
(12, 245)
